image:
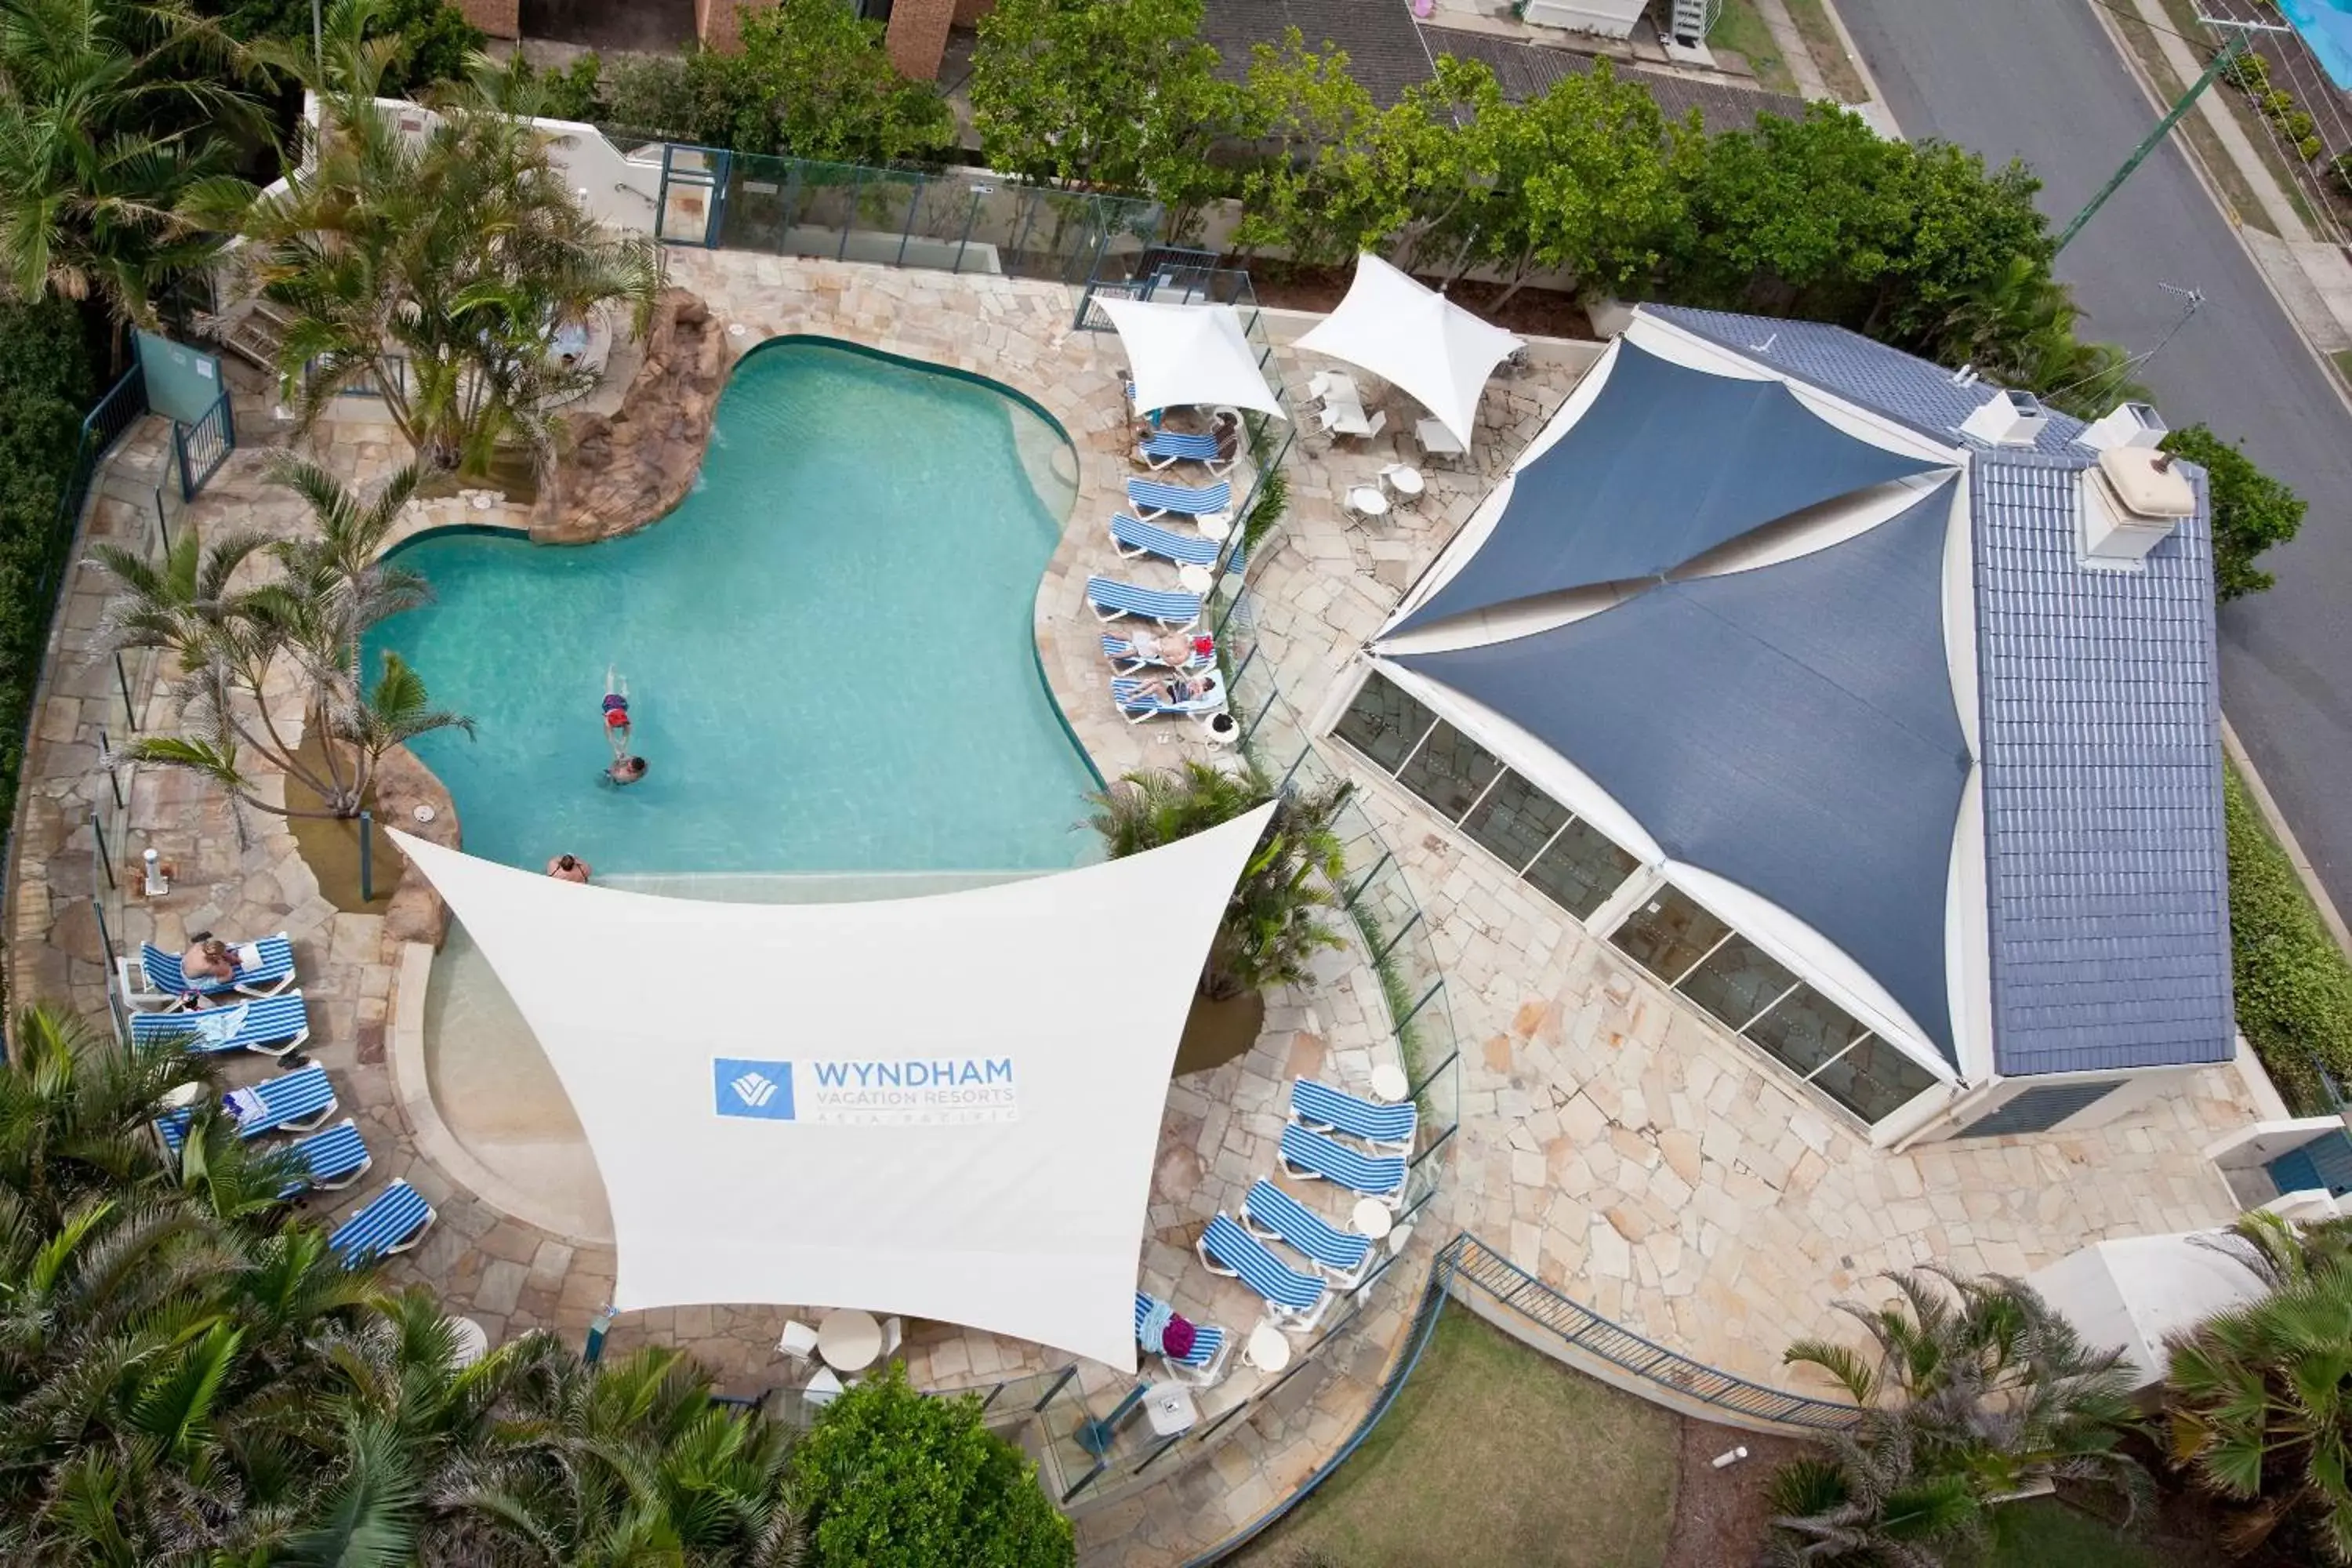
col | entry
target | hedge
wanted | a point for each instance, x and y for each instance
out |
(45, 384)
(2293, 983)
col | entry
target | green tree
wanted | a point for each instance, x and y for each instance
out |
(2251, 511)
(892, 1476)
(108, 159)
(1116, 93)
(437, 44)
(2291, 985)
(823, 87)
(438, 269)
(1310, 187)
(2257, 1397)
(1868, 1504)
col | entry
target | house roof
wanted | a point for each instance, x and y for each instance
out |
(2106, 862)
(1389, 51)
(1622, 495)
(1789, 726)
(1903, 387)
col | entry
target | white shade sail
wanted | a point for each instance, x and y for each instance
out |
(1416, 339)
(1184, 356)
(946, 1107)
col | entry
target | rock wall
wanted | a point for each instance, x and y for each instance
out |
(403, 784)
(620, 471)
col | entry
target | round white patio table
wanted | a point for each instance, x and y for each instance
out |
(1268, 1350)
(849, 1340)
(1365, 501)
(1196, 579)
(473, 1341)
(1389, 1082)
(1405, 480)
(1373, 1218)
(1215, 525)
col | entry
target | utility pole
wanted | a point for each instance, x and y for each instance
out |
(2236, 39)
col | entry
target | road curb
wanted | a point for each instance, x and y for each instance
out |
(2304, 871)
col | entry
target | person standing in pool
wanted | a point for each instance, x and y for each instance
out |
(627, 770)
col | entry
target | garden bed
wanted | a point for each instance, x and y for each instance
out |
(1536, 312)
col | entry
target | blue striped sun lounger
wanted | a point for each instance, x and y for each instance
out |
(270, 1025)
(1156, 498)
(1178, 612)
(1305, 1153)
(1131, 696)
(298, 1102)
(1134, 538)
(394, 1220)
(1328, 1110)
(333, 1159)
(1121, 653)
(1345, 1255)
(1208, 1343)
(163, 982)
(1162, 448)
(1292, 1299)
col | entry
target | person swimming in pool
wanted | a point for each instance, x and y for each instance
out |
(627, 770)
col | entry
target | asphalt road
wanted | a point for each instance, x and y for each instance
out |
(2039, 79)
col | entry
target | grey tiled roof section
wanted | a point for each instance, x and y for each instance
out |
(1382, 41)
(1525, 70)
(2106, 865)
(1903, 387)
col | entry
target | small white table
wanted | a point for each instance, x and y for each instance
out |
(1220, 729)
(1436, 439)
(1196, 579)
(1169, 1408)
(473, 1341)
(1405, 480)
(1373, 1218)
(1268, 1349)
(849, 1340)
(1388, 1083)
(1216, 525)
(1366, 502)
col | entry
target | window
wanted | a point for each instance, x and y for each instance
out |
(1755, 995)
(1669, 934)
(2040, 1109)
(1581, 869)
(1515, 821)
(1385, 724)
(1450, 770)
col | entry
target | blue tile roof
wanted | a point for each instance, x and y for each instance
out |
(2106, 865)
(1903, 387)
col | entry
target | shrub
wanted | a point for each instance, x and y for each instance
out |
(2250, 73)
(2278, 102)
(45, 384)
(2293, 983)
(2310, 147)
(2297, 126)
(2251, 511)
(2342, 165)
(894, 1476)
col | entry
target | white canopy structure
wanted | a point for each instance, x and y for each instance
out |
(946, 1107)
(1417, 339)
(2135, 1291)
(1187, 355)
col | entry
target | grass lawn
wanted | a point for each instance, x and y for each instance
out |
(2046, 1532)
(2342, 360)
(1494, 1454)
(1828, 49)
(1742, 30)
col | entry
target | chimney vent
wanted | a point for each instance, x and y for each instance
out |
(2125, 424)
(2131, 502)
(2007, 419)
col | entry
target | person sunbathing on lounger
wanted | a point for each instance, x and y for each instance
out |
(1180, 688)
(1163, 648)
(209, 960)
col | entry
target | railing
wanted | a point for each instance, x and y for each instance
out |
(1168, 274)
(1468, 1261)
(124, 402)
(202, 448)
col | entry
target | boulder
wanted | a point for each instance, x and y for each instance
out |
(620, 471)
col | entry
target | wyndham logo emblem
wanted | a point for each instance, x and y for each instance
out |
(761, 1090)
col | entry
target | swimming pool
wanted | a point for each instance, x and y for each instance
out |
(828, 645)
(2327, 27)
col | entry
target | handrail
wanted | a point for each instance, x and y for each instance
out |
(1512, 1286)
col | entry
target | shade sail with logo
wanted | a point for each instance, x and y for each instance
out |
(1666, 464)
(1417, 339)
(1181, 356)
(945, 1107)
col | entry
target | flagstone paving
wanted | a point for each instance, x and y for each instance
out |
(1611, 1140)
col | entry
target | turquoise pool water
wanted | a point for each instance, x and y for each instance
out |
(2327, 27)
(827, 645)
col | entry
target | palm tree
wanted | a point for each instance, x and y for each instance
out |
(1272, 925)
(436, 267)
(2259, 1408)
(109, 152)
(1868, 1503)
(230, 643)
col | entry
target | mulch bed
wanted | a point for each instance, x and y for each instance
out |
(1538, 312)
(1719, 1515)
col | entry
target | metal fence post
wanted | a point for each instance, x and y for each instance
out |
(105, 861)
(907, 233)
(106, 761)
(849, 219)
(122, 684)
(162, 529)
(971, 221)
(367, 857)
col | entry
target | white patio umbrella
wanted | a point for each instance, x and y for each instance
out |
(1181, 355)
(1417, 339)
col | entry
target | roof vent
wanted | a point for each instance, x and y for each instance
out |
(2125, 424)
(2007, 419)
(2131, 502)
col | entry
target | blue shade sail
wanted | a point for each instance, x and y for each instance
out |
(1666, 463)
(1790, 728)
